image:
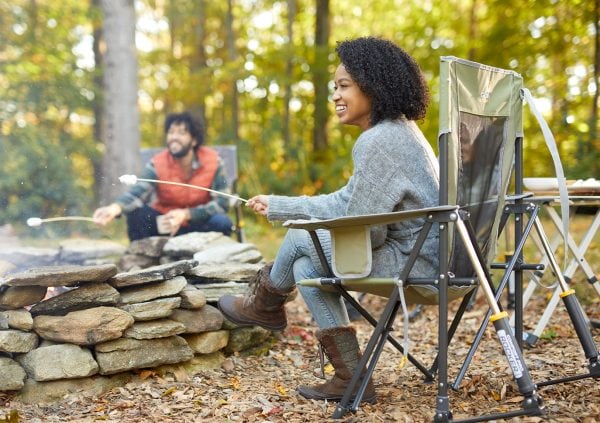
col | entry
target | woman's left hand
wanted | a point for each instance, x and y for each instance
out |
(259, 203)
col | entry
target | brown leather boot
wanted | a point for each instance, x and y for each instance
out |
(264, 306)
(341, 347)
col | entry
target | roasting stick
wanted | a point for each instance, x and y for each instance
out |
(36, 221)
(132, 180)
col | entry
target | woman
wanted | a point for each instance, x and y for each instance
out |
(379, 88)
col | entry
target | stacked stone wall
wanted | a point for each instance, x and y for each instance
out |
(97, 315)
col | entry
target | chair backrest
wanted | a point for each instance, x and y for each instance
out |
(480, 119)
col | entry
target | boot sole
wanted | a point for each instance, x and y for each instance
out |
(250, 323)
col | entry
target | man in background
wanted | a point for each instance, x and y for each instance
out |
(156, 209)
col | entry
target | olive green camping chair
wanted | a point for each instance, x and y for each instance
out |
(480, 124)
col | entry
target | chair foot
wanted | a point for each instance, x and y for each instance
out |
(442, 417)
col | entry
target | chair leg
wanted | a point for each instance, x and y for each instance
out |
(532, 403)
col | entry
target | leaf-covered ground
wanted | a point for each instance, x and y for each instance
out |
(262, 388)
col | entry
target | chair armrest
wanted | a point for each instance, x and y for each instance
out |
(351, 252)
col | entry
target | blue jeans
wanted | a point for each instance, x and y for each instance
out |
(141, 223)
(292, 264)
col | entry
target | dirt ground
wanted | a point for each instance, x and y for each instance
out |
(262, 388)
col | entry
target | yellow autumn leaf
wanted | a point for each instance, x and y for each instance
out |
(235, 382)
(329, 370)
(169, 391)
(281, 389)
(402, 362)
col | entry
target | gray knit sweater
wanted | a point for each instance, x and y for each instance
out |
(395, 169)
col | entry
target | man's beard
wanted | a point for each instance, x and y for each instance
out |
(181, 153)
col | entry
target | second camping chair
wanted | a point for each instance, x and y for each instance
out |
(480, 121)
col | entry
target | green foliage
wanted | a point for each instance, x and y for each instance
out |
(549, 334)
(34, 177)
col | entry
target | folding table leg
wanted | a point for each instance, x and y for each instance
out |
(579, 251)
(578, 261)
(576, 315)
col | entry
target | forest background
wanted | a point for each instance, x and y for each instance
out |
(85, 85)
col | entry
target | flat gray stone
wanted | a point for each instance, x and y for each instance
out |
(153, 329)
(131, 262)
(62, 361)
(55, 390)
(188, 244)
(229, 253)
(86, 296)
(150, 247)
(65, 275)
(15, 297)
(150, 310)
(242, 272)
(206, 319)
(13, 375)
(208, 342)
(16, 319)
(152, 274)
(242, 338)
(192, 298)
(79, 250)
(29, 256)
(151, 291)
(84, 327)
(127, 354)
(16, 341)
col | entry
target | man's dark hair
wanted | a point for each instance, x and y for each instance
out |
(388, 75)
(192, 125)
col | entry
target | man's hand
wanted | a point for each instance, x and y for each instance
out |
(176, 218)
(260, 204)
(104, 215)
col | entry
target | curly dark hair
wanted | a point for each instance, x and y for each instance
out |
(191, 124)
(388, 75)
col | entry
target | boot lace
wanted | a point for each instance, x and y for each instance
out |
(248, 299)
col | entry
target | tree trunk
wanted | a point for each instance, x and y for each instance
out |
(121, 132)
(198, 62)
(287, 135)
(99, 48)
(232, 55)
(594, 145)
(321, 76)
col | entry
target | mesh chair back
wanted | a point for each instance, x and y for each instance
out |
(480, 119)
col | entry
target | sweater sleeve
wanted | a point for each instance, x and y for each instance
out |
(367, 192)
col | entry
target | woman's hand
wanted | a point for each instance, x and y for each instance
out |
(260, 204)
